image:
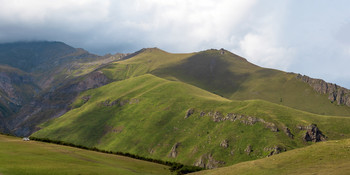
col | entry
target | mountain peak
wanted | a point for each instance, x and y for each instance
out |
(152, 49)
(28, 55)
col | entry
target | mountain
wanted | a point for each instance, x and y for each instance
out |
(30, 73)
(16, 89)
(51, 63)
(209, 109)
(233, 77)
(33, 56)
(54, 103)
(331, 157)
(171, 120)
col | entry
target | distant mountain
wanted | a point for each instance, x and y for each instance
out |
(16, 89)
(31, 56)
(31, 71)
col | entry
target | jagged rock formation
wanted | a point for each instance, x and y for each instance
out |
(312, 133)
(224, 143)
(274, 150)
(208, 161)
(173, 152)
(189, 112)
(287, 131)
(120, 102)
(248, 150)
(217, 116)
(335, 93)
(86, 98)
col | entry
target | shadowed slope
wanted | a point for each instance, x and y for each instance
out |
(227, 75)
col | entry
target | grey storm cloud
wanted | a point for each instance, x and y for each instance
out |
(309, 37)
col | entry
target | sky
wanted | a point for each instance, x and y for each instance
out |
(309, 37)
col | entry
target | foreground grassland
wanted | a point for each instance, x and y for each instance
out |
(331, 157)
(31, 157)
(145, 115)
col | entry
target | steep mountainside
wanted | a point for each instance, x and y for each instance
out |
(51, 63)
(16, 89)
(33, 56)
(331, 157)
(170, 120)
(228, 75)
(41, 85)
(53, 104)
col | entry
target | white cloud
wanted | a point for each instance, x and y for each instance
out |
(264, 51)
(294, 36)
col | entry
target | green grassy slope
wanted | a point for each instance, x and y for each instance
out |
(331, 157)
(147, 61)
(30, 157)
(148, 119)
(228, 75)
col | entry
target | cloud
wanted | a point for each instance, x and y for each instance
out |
(179, 25)
(304, 37)
(263, 50)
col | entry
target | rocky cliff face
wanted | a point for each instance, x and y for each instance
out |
(11, 84)
(38, 81)
(16, 89)
(335, 93)
(53, 104)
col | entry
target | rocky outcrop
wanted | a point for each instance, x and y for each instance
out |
(85, 98)
(217, 116)
(207, 161)
(274, 150)
(287, 131)
(120, 102)
(270, 126)
(313, 134)
(224, 143)
(335, 93)
(248, 149)
(189, 112)
(93, 80)
(173, 152)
